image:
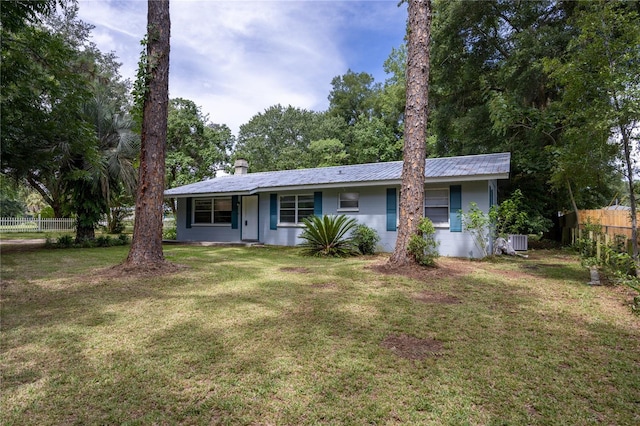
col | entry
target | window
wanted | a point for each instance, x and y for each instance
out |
(212, 210)
(349, 201)
(294, 208)
(436, 206)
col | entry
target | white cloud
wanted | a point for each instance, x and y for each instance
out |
(237, 58)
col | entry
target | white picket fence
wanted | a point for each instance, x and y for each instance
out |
(36, 224)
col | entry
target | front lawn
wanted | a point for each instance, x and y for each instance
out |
(263, 336)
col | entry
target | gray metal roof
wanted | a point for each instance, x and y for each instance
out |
(471, 167)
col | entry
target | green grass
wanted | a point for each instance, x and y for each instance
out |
(264, 336)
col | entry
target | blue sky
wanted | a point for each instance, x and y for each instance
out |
(236, 58)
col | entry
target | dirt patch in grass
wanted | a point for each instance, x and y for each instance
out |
(445, 267)
(299, 270)
(9, 246)
(437, 298)
(410, 347)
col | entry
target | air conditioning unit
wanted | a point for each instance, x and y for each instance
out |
(519, 242)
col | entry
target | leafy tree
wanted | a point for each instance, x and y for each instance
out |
(373, 140)
(196, 148)
(279, 138)
(327, 152)
(146, 246)
(76, 171)
(11, 204)
(44, 85)
(491, 92)
(17, 14)
(391, 99)
(352, 96)
(601, 96)
(370, 115)
(412, 187)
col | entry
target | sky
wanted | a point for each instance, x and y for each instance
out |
(235, 59)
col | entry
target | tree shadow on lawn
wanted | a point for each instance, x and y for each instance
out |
(293, 353)
(83, 297)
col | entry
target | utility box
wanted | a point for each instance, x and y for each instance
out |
(519, 242)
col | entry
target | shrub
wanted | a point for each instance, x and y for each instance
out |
(326, 236)
(123, 239)
(104, 241)
(477, 223)
(65, 241)
(423, 246)
(511, 217)
(169, 232)
(365, 238)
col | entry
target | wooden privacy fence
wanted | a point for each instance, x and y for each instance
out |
(612, 223)
(37, 224)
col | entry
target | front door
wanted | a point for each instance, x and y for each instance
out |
(250, 218)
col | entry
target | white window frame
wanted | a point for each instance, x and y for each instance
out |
(341, 208)
(439, 224)
(296, 209)
(212, 204)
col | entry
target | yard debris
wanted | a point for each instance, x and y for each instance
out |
(502, 246)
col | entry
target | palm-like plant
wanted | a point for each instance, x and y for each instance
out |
(109, 172)
(328, 236)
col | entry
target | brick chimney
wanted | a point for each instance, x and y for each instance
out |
(241, 167)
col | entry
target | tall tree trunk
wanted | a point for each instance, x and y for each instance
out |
(627, 144)
(84, 232)
(415, 127)
(573, 203)
(146, 246)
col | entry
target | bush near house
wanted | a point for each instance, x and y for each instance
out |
(423, 246)
(365, 238)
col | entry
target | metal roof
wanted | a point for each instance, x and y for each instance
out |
(470, 167)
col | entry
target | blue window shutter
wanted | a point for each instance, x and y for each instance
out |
(273, 211)
(490, 196)
(317, 203)
(455, 205)
(234, 212)
(189, 207)
(391, 209)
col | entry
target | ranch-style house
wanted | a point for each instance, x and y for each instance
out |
(268, 207)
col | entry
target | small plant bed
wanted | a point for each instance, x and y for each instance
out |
(68, 241)
(242, 335)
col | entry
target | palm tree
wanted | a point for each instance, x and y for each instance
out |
(108, 174)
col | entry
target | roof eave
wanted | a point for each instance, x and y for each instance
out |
(207, 194)
(441, 179)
